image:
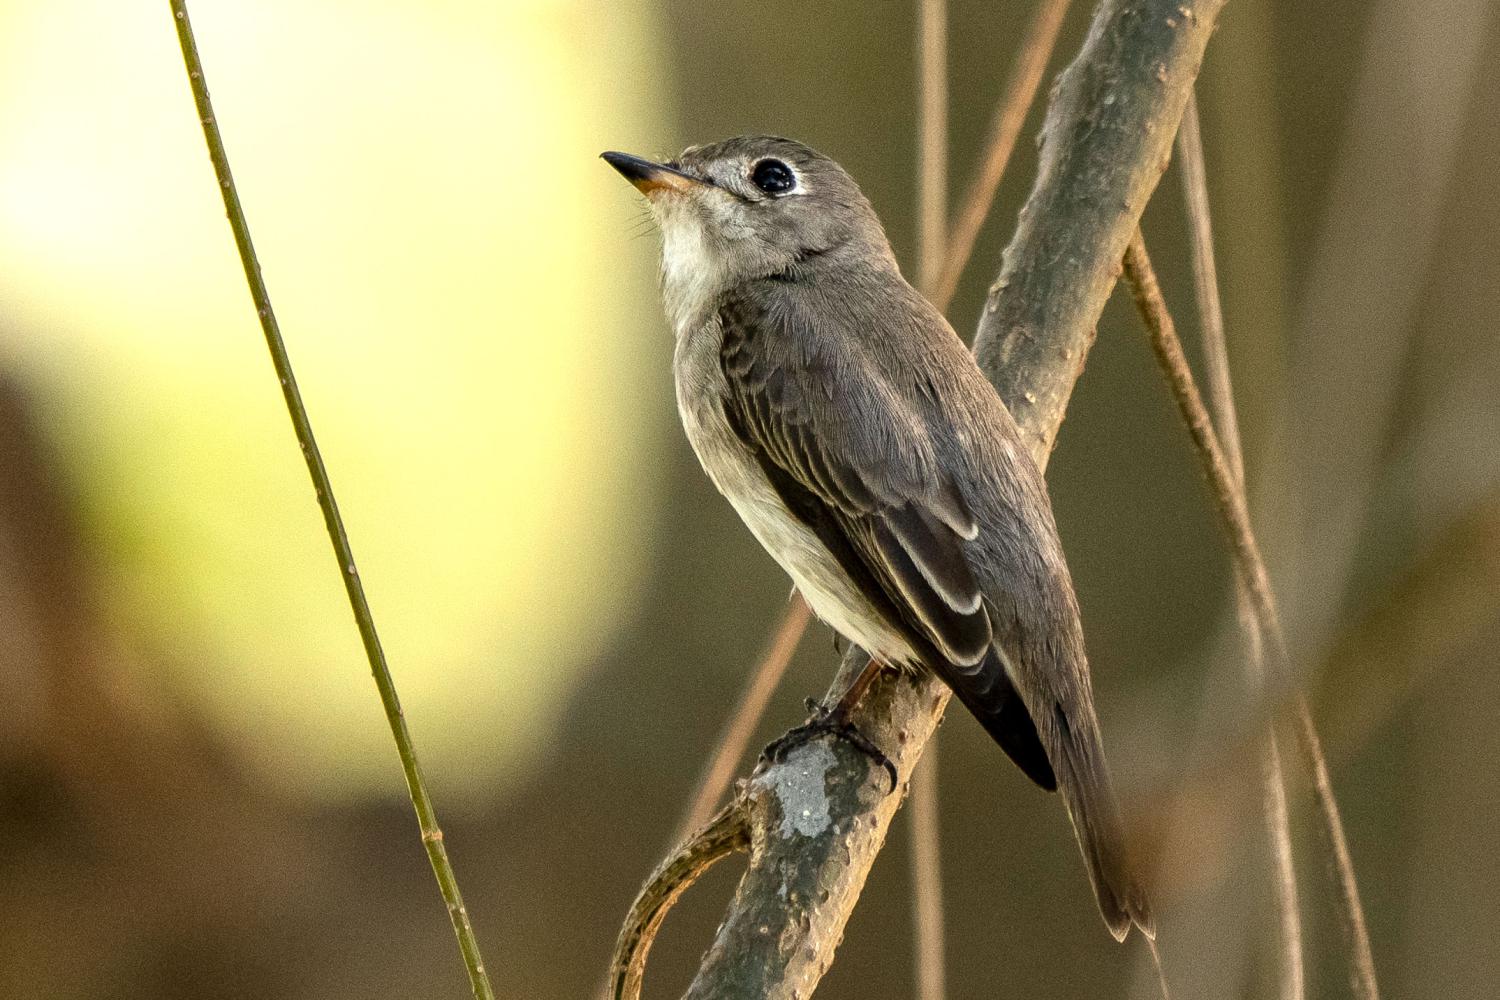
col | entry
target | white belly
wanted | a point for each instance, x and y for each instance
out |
(737, 474)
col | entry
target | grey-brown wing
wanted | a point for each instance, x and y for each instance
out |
(855, 469)
(851, 465)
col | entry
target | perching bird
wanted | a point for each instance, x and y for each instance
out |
(851, 429)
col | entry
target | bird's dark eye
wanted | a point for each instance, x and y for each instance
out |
(773, 177)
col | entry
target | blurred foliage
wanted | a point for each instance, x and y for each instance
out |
(444, 311)
(571, 609)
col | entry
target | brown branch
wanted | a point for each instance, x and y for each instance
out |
(1229, 503)
(724, 834)
(1221, 399)
(819, 816)
(1105, 142)
(1010, 115)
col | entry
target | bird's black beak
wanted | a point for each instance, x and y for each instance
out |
(647, 176)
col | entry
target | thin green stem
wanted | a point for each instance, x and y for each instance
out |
(432, 835)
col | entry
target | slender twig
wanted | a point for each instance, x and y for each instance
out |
(927, 879)
(932, 140)
(932, 250)
(1010, 115)
(432, 835)
(1226, 423)
(1194, 173)
(1361, 958)
(723, 835)
(1229, 503)
(746, 717)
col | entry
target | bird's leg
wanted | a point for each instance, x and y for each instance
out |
(835, 720)
(855, 693)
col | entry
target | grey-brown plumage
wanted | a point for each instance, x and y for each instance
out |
(853, 432)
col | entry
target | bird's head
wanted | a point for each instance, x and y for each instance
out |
(752, 207)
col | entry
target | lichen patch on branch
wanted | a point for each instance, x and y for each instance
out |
(800, 784)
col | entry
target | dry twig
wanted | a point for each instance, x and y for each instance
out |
(932, 140)
(1221, 398)
(927, 880)
(1010, 115)
(932, 231)
(722, 836)
(1229, 504)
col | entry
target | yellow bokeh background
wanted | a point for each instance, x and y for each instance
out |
(469, 348)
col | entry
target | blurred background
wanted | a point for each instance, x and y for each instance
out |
(198, 794)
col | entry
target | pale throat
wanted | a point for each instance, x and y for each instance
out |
(694, 272)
